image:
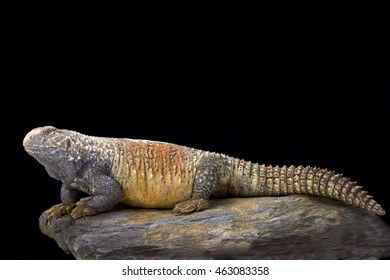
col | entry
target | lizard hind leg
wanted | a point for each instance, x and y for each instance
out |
(205, 182)
(191, 205)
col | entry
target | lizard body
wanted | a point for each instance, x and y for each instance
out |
(152, 174)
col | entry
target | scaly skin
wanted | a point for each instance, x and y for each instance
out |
(160, 175)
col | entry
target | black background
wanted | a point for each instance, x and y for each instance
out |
(325, 107)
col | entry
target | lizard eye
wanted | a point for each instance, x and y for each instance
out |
(48, 131)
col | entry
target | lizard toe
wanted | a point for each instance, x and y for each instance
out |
(191, 205)
(57, 211)
(81, 211)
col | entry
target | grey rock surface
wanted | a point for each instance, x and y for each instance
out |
(290, 227)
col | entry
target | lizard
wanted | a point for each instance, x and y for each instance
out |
(152, 174)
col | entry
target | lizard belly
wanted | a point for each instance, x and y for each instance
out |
(148, 191)
(153, 174)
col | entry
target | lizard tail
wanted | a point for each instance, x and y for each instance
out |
(252, 179)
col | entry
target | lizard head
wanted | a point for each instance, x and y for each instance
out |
(42, 141)
(51, 148)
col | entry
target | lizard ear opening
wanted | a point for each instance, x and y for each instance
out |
(67, 145)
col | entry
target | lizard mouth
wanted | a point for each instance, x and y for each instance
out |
(27, 144)
(27, 140)
(32, 149)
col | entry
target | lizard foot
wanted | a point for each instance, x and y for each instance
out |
(81, 210)
(57, 211)
(190, 205)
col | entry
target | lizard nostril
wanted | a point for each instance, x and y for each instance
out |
(28, 138)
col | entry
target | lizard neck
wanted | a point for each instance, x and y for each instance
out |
(89, 149)
(85, 148)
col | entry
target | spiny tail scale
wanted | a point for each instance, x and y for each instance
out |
(262, 180)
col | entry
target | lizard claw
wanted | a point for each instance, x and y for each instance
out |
(58, 211)
(190, 205)
(81, 210)
(71, 220)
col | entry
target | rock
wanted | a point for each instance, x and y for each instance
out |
(290, 227)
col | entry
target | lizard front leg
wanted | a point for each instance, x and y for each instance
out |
(105, 194)
(69, 197)
(205, 182)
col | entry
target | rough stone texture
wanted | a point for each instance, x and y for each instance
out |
(291, 227)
